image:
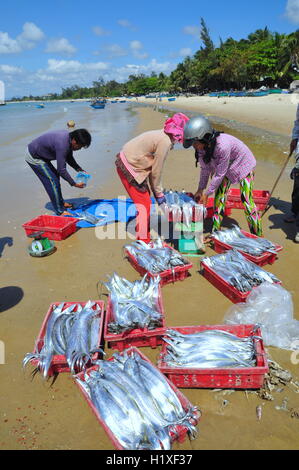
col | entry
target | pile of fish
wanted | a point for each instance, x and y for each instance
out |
(253, 246)
(181, 207)
(72, 332)
(155, 257)
(88, 217)
(238, 271)
(134, 304)
(208, 349)
(135, 401)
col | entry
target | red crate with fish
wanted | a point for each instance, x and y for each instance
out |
(53, 227)
(177, 273)
(59, 362)
(179, 432)
(261, 260)
(223, 286)
(260, 197)
(241, 377)
(139, 337)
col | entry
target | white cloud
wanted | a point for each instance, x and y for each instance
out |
(60, 46)
(99, 31)
(127, 24)
(192, 31)
(31, 32)
(153, 66)
(115, 50)
(30, 35)
(8, 45)
(73, 66)
(292, 11)
(136, 48)
(10, 69)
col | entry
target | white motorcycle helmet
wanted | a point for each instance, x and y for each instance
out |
(196, 129)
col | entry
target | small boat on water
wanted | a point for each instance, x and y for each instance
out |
(98, 104)
(172, 99)
(41, 105)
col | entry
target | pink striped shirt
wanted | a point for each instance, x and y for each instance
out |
(232, 158)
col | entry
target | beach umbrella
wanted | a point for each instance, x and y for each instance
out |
(276, 183)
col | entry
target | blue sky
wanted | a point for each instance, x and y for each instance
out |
(45, 46)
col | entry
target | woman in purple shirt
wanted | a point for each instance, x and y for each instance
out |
(227, 160)
(59, 146)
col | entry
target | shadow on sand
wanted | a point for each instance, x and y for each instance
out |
(5, 241)
(277, 220)
(9, 297)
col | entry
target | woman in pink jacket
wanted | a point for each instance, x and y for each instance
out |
(140, 164)
(227, 160)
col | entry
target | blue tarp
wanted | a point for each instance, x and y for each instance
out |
(108, 210)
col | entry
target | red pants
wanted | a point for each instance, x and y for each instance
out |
(142, 202)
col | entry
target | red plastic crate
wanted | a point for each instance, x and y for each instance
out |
(181, 431)
(260, 197)
(137, 337)
(59, 363)
(178, 273)
(210, 208)
(242, 377)
(53, 226)
(266, 258)
(227, 289)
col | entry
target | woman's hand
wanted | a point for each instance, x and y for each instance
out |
(198, 194)
(80, 185)
(204, 199)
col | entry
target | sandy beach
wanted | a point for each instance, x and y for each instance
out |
(38, 414)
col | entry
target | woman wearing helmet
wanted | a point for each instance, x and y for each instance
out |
(141, 162)
(228, 161)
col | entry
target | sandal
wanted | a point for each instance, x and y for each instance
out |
(68, 205)
(66, 213)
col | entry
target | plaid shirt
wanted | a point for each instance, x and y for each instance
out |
(232, 158)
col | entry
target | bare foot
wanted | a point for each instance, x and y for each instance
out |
(66, 213)
(67, 205)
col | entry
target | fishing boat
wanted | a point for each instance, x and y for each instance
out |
(257, 93)
(98, 104)
(275, 90)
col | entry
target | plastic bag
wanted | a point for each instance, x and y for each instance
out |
(271, 307)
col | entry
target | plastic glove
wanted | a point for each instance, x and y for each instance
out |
(161, 200)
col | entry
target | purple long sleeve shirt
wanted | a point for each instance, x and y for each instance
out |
(232, 158)
(55, 145)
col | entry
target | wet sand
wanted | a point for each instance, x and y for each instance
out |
(36, 414)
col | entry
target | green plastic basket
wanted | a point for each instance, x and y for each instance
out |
(189, 246)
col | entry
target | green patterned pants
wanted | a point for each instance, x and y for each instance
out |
(251, 212)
